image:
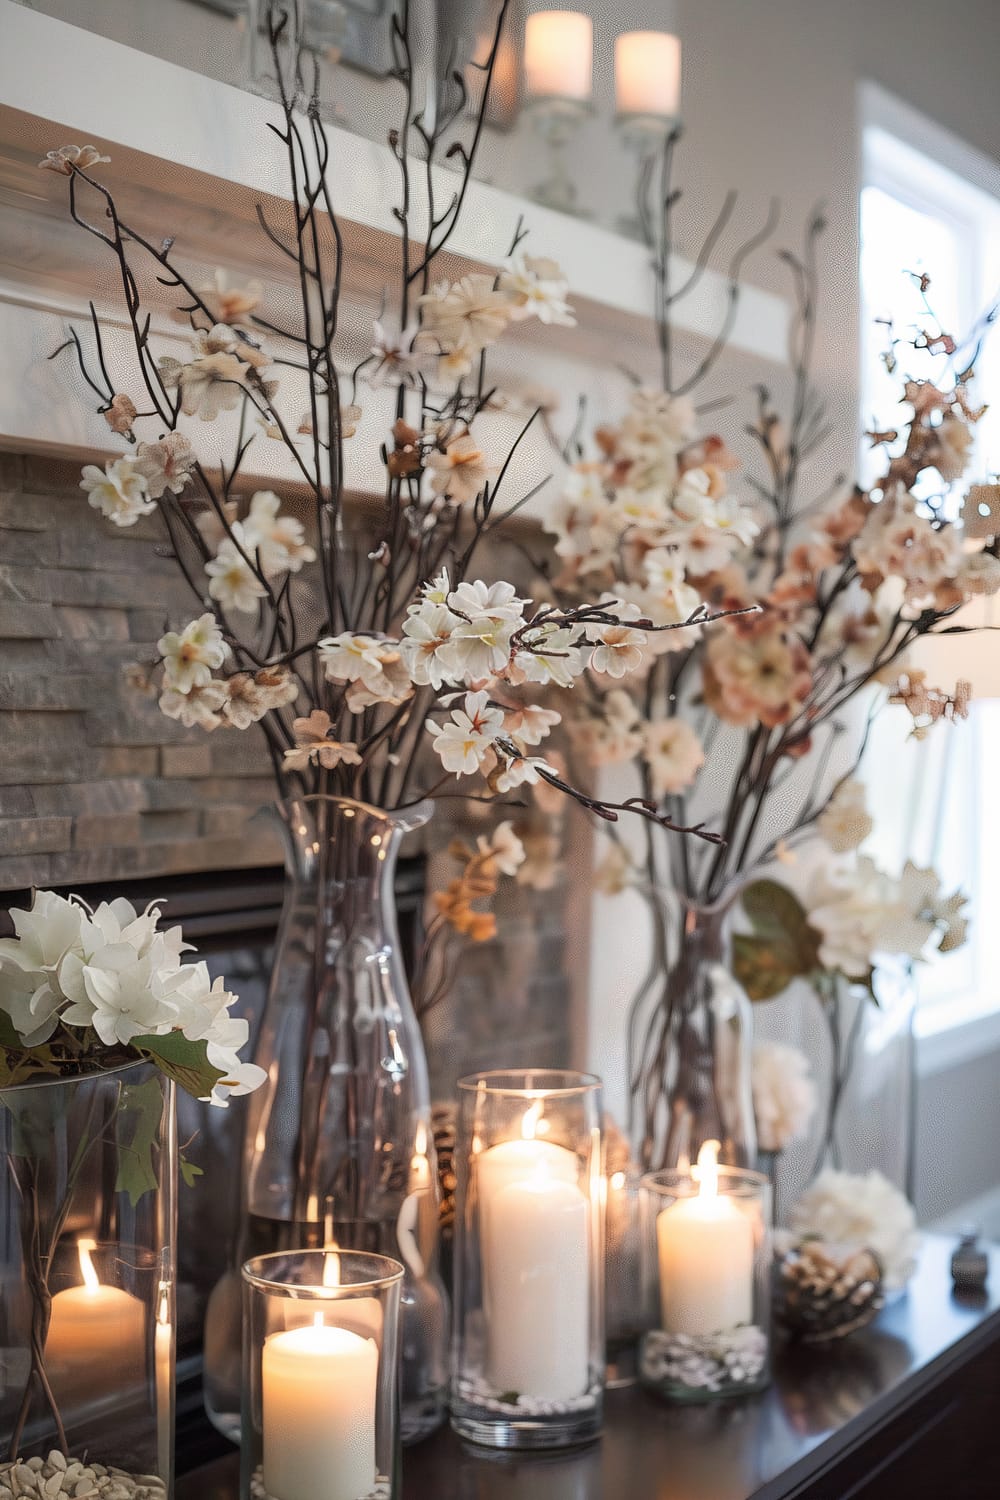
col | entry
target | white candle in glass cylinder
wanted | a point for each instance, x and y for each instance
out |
(648, 74)
(706, 1254)
(558, 55)
(534, 1224)
(96, 1343)
(319, 1389)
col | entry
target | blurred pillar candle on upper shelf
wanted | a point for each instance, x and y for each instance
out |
(558, 55)
(648, 75)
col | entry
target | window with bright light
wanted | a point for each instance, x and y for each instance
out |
(933, 800)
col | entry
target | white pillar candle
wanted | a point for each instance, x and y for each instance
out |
(648, 74)
(319, 1389)
(558, 55)
(96, 1343)
(706, 1252)
(534, 1224)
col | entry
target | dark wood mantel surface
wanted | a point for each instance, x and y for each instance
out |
(909, 1407)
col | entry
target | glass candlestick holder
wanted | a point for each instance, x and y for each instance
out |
(706, 1252)
(320, 1376)
(556, 121)
(529, 1260)
(644, 137)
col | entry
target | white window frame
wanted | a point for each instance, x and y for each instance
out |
(924, 165)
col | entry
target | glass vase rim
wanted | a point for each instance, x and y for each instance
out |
(667, 1180)
(84, 1075)
(489, 1082)
(412, 814)
(384, 1272)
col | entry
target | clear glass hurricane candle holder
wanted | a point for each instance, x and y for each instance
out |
(529, 1259)
(320, 1376)
(706, 1261)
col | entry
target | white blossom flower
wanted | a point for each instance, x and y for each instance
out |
(348, 658)
(538, 289)
(129, 995)
(213, 383)
(460, 472)
(923, 910)
(165, 465)
(190, 657)
(673, 753)
(392, 684)
(618, 650)
(314, 745)
(503, 847)
(845, 822)
(230, 304)
(119, 491)
(233, 580)
(67, 158)
(30, 992)
(279, 540)
(863, 1211)
(468, 315)
(525, 770)
(784, 1094)
(464, 742)
(528, 724)
(251, 695)
(488, 618)
(397, 359)
(549, 656)
(850, 909)
(198, 707)
(426, 646)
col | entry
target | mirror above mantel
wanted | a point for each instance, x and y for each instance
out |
(191, 156)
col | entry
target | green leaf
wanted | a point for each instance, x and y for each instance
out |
(184, 1061)
(140, 1112)
(783, 946)
(190, 1171)
(764, 968)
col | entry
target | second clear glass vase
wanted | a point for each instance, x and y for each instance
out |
(340, 1151)
(690, 1044)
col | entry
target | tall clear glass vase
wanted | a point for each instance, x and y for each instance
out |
(690, 1039)
(340, 1151)
(88, 1204)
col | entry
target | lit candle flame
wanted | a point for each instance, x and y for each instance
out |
(529, 1124)
(706, 1173)
(91, 1279)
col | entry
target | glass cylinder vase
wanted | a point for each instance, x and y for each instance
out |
(706, 1247)
(88, 1203)
(690, 1043)
(320, 1376)
(340, 1148)
(528, 1368)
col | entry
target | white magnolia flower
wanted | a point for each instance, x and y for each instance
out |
(673, 753)
(278, 540)
(527, 724)
(165, 465)
(213, 383)
(127, 995)
(488, 617)
(30, 991)
(314, 745)
(461, 471)
(251, 695)
(550, 656)
(466, 316)
(391, 685)
(350, 658)
(233, 581)
(200, 706)
(190, 657)
(465, 742)
(866, 1212)
(525, 770)
(845, 822)
(784, 1094)
(618, 650)
(538, 289)
(504, 848)
(499, 600)
(426, 647)
(119, 491)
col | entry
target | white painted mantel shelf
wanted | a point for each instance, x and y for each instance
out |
(192, 157)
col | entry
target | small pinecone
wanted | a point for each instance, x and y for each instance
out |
(445, 1131)
(826, 1291)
